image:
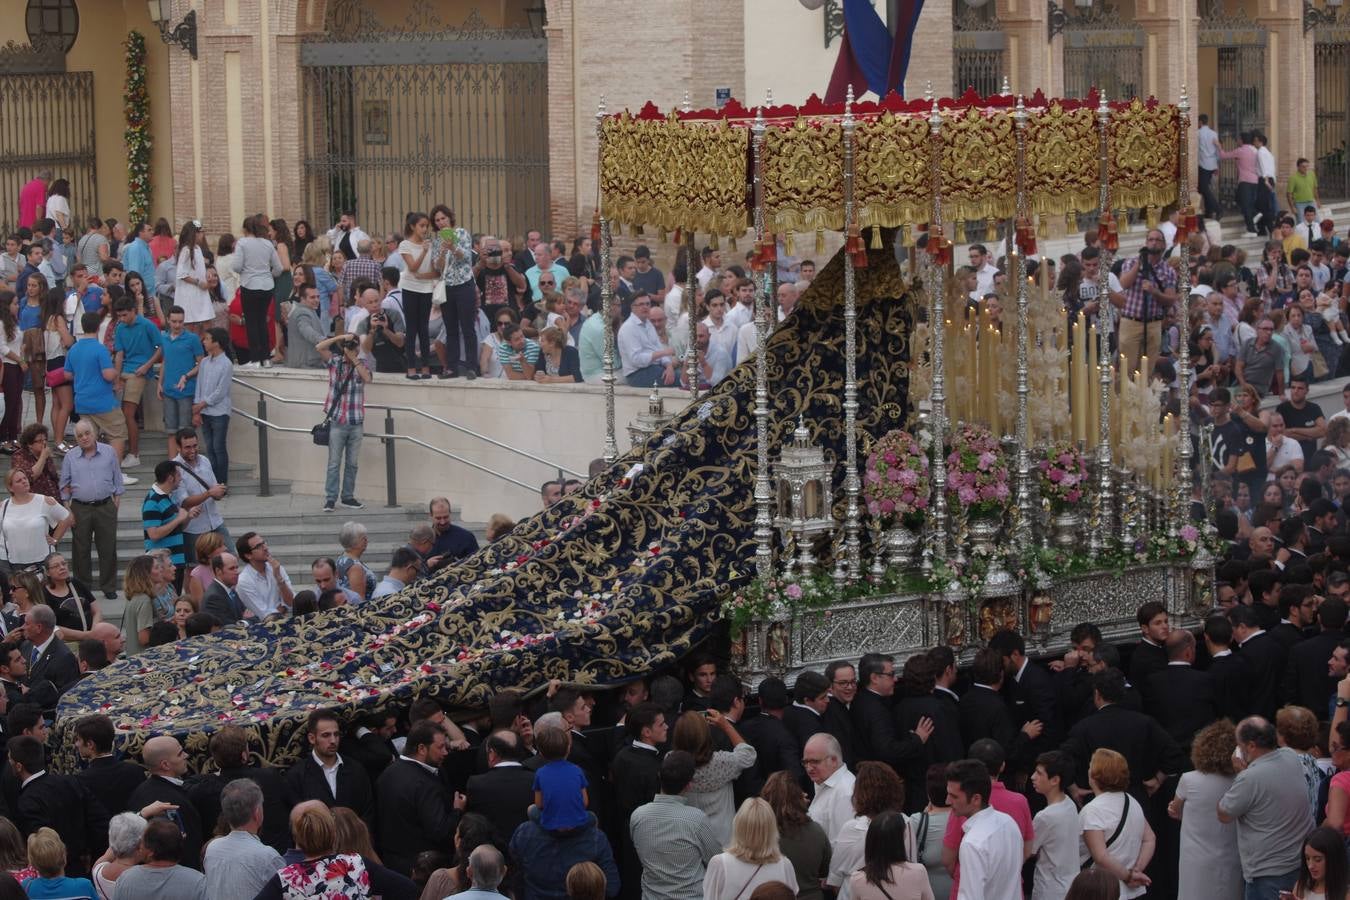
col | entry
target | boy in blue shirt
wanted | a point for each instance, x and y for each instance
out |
(136, 345)
(559, 786)
(182, 350)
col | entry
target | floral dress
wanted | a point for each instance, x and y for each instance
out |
(339, 877)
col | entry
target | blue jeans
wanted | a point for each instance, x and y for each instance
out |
(1268, 887)
(343, 440)
(647, 376)
(215, 432)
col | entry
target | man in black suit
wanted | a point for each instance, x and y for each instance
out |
(1148, 749)
(947, 724)
(776, 750)
(48, 657)
(505, 791)
(14, 678)
(1298, 612)
(1265, 587)
(838, 717)
(323, 775)
(985, 714)
(108, 778)
(1181, 697)
(1032, 692)
(918, 704)
(1320, 517)
(167, 764)
(59, 802)
(229, 751)
(371, 744)
(1148, 655)
(810, 699)
(1265, 659)
(413, 812)
(1307, 680)
(1229, 674)
(636, 776)
(874, 719)
(221, 599)
(575, 708)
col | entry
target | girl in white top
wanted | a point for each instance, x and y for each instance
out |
(488, 364)
(190, 289)
(30, 524)
(751, 859)
(417, 282)
(1116, 837)
(1323, 875)
(58, 205)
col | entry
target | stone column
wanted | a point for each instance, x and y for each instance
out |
(1033, 60)
(1289, 85)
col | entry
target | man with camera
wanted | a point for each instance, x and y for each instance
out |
(1150, 289)
(345, 407)
(499, 282)
(381, 332)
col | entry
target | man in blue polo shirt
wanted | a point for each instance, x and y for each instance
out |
(182, 350)
(90, 367)
(136, 345)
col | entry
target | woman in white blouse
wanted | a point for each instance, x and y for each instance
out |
(417, 282)
(876, 789)
(751, 859)
(1116, 836)
(11, 383)
(710, 790)
(30, 524)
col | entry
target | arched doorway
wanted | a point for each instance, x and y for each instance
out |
(1331, 96)
(401, 115)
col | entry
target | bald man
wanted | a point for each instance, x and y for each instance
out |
(1261, 542)
(111, 636)
(167, 765)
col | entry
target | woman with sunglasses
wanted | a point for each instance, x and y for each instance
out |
(488, 363)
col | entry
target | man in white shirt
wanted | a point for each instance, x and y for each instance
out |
(263, 584)
(712, 261)
(832, 807)
(1207, 143)
(1345, 400)
(743, 300)
(347, 236)
(646, 361)
(984, 267)
(1056, 828)
(1281, 451)
(991, 846)
(1265, 167)
(402, 571)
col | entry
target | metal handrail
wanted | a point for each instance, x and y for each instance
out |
(387, 438)
(388, 408)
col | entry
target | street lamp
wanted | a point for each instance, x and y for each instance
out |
(184, 34)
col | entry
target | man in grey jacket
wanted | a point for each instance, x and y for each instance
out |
(304, 331)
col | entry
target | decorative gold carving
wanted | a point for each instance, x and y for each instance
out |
(803, 177)
(1143, 163)
(1061, 160)
(978, 156)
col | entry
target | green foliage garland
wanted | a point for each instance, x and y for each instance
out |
(136, 101)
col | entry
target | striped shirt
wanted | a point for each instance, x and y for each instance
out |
(674, 841)
(506, 355)
(157, 511)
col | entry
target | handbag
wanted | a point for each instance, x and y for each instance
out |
(321, 432)
(438, 293)
(1319, 365)
(1120, 826)
(56, 377)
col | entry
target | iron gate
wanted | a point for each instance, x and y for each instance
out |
(400, 120)
(1102, 50)
(1239, 88)
(1331, 96)
(977, 48)
(47, 122)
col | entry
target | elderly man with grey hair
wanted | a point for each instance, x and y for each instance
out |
(239, 864)
(486, 871)
(48, 657)
(124, 845)
(823, 760)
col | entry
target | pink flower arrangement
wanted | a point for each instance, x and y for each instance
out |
(895, 479)
(1063, 475)
(977, 473)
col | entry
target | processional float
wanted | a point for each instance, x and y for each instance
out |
(931, 541)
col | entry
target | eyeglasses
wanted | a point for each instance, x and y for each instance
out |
(543, 283)
(852, 682)
(812, 763)
(257, 546)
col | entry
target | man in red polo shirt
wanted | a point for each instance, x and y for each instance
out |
(33, 199)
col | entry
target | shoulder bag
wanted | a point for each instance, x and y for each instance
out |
(1120, 826)
(321, 431)
(748, 882)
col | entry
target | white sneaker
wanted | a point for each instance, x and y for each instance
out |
(128, 480)
(1252, 234)
(251, 365)
(130, 461)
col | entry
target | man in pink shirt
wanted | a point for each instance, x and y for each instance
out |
(1248, 176)
(1010, 803)
(33, 199)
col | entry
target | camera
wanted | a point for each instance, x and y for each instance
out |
(496, 254)
(349, 343)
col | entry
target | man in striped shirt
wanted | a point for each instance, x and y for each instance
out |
(163, 520)
(674, 841)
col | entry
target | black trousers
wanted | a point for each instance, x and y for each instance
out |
(1212, 208)
(416, 315)
(256, 305)
(460, 313)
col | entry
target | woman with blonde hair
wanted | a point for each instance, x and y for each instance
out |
(1113, 813)
(499, 525)
(30, 524)
(142, 584)
(325, 871)
(47, 854)
(1207, 846)
(751, 859)
(585, 881)
(208, 546)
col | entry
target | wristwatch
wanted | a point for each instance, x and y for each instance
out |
(1341, 702)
